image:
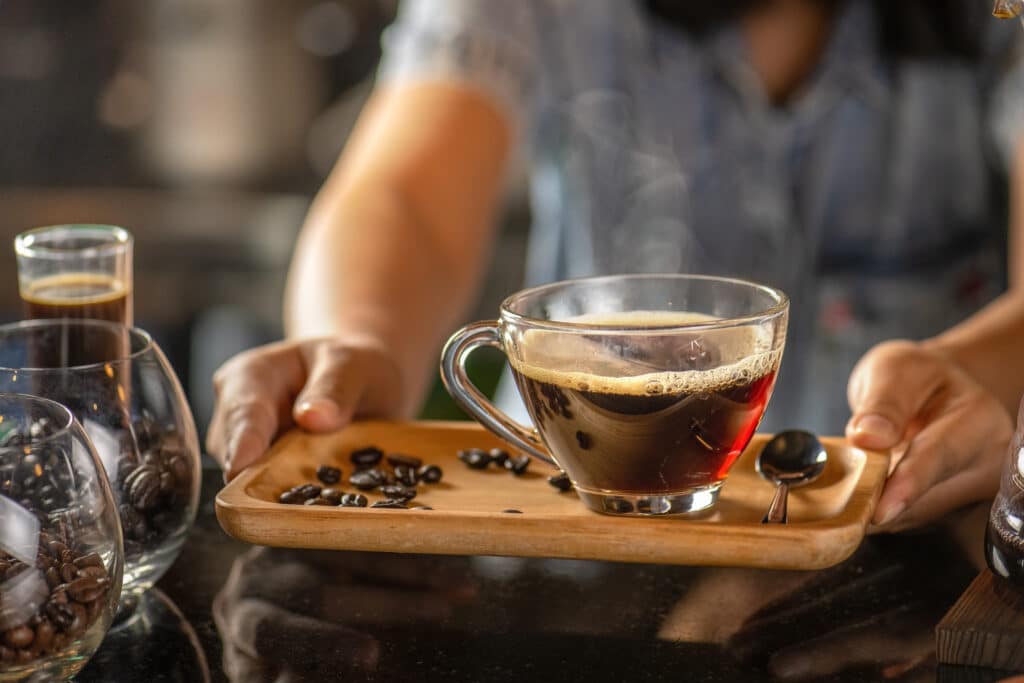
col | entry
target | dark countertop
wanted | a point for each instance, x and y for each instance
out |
(228, 611)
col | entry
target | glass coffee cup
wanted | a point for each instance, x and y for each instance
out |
(76, 271)
(644, 389)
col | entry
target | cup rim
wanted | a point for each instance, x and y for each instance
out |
(25, 243)
(145, 348)
(67, 421)
(780, 306)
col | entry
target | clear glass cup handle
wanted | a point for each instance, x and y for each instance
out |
(453, 373)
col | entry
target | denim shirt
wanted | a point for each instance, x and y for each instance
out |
(874, 199)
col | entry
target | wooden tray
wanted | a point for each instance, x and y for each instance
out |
(827, 519)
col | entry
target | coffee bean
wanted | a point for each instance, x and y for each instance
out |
(560, 481)
(583, 439)
(319, 501)
(291, 498)
(475, 458)
(398, 492)
(367, 480)
(68, 572)
(95, 572)
(143, 488)
(392, 504)
(366, 457)
(499, 456)
(178, 466)
(44, 636)
(90, 560)
(353, 500)
(430, 474)
(518, 465)
(53, 578)
(332, 495)
(166, 482)
(328, 475)
(406, 475)
(396, 459)
(513, 512)
(308, 491)
(133, 523)
(60, 614)
(87, 588)
(19, 637)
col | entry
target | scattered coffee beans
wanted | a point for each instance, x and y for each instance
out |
(398, 484)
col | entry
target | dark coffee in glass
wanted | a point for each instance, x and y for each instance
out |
(644, 389)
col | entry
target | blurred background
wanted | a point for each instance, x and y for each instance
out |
(204, 127)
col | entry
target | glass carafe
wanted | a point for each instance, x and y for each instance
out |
(1004, 539)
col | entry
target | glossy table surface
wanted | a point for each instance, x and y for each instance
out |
(228, 611)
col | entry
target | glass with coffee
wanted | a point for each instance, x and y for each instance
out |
(76, 271)
(1004, 539)
(645, 389)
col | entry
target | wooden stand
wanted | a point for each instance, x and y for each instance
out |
(984, 628)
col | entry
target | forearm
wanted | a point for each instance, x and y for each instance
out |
(393, 250)
(367, 270)
(988, 347)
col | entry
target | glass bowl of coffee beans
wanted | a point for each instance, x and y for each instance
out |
(120, 387)
(61, 556)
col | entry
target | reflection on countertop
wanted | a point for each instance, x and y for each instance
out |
(262, 614)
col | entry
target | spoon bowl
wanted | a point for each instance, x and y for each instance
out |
(789, 459)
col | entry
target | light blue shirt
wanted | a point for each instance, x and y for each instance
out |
(874, 200)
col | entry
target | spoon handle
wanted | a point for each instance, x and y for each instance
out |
(777, 512)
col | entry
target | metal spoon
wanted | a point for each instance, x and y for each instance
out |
(789, 459)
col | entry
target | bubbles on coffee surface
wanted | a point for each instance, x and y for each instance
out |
(674, 360)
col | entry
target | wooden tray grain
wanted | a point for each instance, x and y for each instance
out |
(827, 519)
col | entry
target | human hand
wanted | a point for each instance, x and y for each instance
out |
(947, 434)
(317, 384)
(295, 614)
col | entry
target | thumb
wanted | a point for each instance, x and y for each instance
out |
(333, 389)
(888, 390)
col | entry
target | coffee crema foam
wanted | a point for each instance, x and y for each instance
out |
(753, 346)
(76, 289)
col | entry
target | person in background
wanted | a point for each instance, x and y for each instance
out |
(861, 155)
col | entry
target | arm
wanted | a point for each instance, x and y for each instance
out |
(395, 244)
(945, 405)
(988, 345)
(387, 262)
